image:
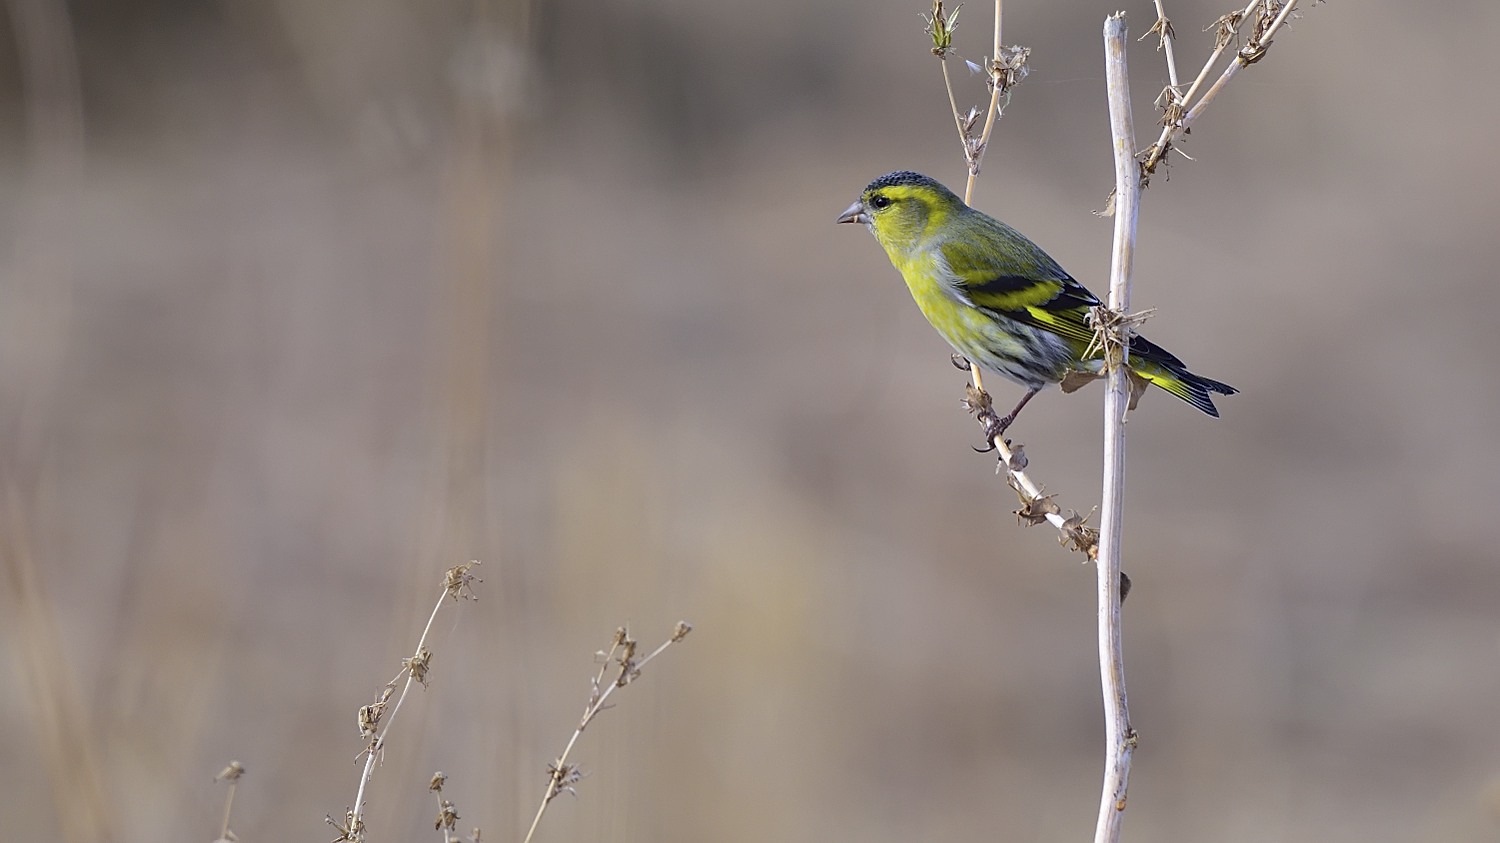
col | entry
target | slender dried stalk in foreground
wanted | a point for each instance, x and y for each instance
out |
(562, 775)
(374, 723)
(232, 774)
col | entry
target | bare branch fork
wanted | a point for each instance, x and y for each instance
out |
(1006, 67)
(1180, 109)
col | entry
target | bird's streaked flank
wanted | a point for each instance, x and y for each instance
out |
(996, 297)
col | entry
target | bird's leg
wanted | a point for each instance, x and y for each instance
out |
(963, 364)
(978, 403)
(994, 428)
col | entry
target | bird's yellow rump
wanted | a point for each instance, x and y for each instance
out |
(996, 297)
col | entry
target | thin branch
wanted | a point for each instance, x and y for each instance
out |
(231, 774)
(447, 815)
(562, 775)
(1037, 506)
(940, 25)
(996, 89)
(1163, 29)
(1253, 51)
(1005, 68)
(1119, 737)
(958, 121)
(458, 584)
(1268, 18)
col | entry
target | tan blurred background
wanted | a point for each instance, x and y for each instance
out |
(304, 302)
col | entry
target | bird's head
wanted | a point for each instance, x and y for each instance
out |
(902, 209)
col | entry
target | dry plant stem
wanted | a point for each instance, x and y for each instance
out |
(373, 755)
(628, 670)
(230, 774)
(1281, 18)
(228, 806)
(1025, 483)
(1166, 43)
(989, 125)
(1219, 48)
(455, 584)
(1119, 737)
(1234, 67)
(958, 121)
(1249, 53)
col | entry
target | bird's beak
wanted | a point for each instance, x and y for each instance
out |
(855, 213)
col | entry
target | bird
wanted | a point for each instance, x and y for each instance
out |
(997, 298)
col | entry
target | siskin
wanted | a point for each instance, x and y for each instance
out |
(996, 297)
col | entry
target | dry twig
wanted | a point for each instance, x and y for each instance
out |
(375, 723)
(447, 816)
(1181, 109)
(561, 775)
(1006, 67)
(231, 774)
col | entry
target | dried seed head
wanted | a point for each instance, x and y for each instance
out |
(418, 665)
(1009, 68)
(459, 583)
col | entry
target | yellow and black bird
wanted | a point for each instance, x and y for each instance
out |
(996, 297)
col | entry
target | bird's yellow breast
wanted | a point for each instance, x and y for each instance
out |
(929, 280)
(1021, 352)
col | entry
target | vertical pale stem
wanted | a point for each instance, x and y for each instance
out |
(1119, 737)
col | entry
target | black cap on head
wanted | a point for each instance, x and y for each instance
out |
(904, 178)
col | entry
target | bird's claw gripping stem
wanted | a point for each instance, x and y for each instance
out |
(994, 428)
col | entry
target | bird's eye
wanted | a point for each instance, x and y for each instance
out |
(880, 201)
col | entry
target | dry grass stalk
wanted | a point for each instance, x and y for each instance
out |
(1180, 109)
(375, 723)
(447, 815)
(561, 775)
(231, 774)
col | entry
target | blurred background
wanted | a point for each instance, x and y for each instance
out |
(303, 303)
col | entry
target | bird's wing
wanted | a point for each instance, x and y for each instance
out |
(1026, 285)
(1023, 283)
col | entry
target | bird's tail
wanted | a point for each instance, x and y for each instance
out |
(1161, 368)
(1188, 386)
